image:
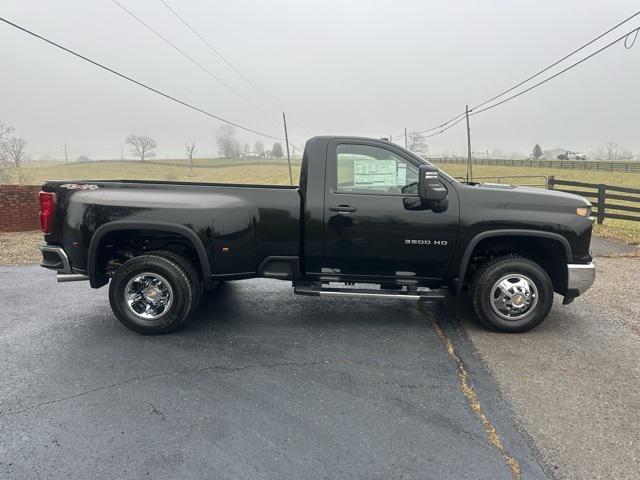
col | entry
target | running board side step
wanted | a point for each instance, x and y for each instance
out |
(360, 292)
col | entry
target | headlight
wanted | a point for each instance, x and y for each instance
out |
(584, 211)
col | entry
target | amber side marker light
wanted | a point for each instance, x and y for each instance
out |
(47, 207)
(583, 211)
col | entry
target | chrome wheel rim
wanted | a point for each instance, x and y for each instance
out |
(514, 297)
(148, 296)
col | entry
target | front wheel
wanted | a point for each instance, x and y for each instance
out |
(151, 294)
(512, 294)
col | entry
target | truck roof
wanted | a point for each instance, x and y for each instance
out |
(348, 137)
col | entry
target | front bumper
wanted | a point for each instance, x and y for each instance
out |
(580, 278)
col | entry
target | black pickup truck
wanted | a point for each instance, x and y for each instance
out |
(368, 219)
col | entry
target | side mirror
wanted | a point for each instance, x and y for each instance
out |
(429, 187)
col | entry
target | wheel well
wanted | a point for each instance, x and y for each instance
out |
(118, 246)
(548, 253)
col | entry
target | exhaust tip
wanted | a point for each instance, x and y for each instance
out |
(71, 277)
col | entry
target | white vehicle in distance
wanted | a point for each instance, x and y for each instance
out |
(572, 156)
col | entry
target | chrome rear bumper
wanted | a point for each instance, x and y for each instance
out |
(580, 278)
(55, 258)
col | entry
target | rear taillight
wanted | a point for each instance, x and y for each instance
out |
(47, 207)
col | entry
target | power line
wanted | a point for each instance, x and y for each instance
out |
(556, 62)
(222, 57)
(625, 36)
(214, 50)
(447, 128)
(143, 85)
(441, 125)
(192, 60)
(472, 110)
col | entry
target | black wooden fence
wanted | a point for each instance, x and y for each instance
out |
(602, 197)
(607, 166)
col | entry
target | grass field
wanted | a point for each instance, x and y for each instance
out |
(622, 230)
(276, 172)
(589, 176)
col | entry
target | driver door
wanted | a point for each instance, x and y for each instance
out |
(374, 222)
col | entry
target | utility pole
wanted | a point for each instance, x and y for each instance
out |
(66, 157)
(286, 140)
(121, 153)
(469, 165)
(405, 139)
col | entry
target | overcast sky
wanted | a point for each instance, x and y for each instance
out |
(337, 67)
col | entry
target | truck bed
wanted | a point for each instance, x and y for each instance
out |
(239, 225)
(175, 182)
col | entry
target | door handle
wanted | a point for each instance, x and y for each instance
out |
(343, 208)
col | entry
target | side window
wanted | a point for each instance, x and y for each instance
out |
(369, 169)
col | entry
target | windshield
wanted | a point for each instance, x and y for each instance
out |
(442, 172)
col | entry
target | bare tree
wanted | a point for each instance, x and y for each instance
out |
(15, 149)
(625, 154)
(617, 152)
(190, 148)
(258, 147)
(246, 149)
(228, 146)
(5, 133)
(612, 150)
(5, 129)
(141, 146)
(5, 170)
(418, 144)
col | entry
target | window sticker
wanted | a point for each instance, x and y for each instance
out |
(376, 173)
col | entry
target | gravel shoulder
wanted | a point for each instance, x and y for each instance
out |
(20, 248)
(573, 382)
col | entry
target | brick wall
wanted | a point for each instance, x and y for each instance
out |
(19, 208)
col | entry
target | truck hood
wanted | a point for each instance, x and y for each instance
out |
(526, 207)
(531, 194)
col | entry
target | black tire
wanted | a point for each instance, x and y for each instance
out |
(189, 270)
(524, 311)
(182, 294)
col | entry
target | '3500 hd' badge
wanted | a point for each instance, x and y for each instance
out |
(439, 243)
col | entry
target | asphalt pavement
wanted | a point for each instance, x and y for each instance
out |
(574, 382)
(260, 384)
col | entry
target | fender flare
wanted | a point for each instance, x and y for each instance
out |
(97, 281)
(464, 262)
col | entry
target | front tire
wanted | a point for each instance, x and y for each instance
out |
(151, 294)
(512, 294)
